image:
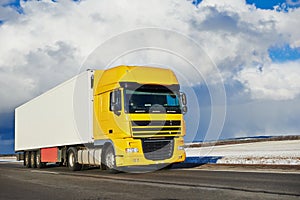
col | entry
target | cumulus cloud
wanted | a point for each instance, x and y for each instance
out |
(38, 70)
(6, 12)
(49, 41)
(293, 2)
(273, 81)
(233, 33)
(242, 33)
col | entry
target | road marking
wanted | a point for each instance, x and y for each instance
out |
(43, 172)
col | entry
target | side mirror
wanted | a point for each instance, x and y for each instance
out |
(183, 100)
(184, 110)
(115, 102)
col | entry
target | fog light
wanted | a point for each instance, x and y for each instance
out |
(180, 147)
(132, 150)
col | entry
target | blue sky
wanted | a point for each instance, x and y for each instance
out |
(284, 53)
(271, 3)
(255, 44)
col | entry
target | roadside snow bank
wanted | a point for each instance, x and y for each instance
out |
(271, 152)
(9, 159)
(260, 160)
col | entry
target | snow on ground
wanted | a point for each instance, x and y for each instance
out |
(271, 152)
(9, 159)
(285, 152)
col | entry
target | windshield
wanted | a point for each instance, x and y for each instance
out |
(147, 101)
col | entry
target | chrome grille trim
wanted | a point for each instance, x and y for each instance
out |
(145, 128)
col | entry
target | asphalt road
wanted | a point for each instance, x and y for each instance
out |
(17, 182)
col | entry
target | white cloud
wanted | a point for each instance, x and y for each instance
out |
(287, 24)
(38, 70)
(48, 43)
(293, 2)
(273, 81)
(7, 13)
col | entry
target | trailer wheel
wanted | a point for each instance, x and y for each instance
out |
(32, 159)
(72, 160)
(110, 160)
(38, 162)
(27, 159)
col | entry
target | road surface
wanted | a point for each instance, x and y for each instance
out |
(17, 182)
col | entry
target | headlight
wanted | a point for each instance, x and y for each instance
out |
(132, 150)
(180, 147)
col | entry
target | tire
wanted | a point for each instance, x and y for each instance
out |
(38, 162)
(27, 159)
(110, 160)
(72, 160)
(32, 159)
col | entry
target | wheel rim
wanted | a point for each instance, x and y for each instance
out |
(32, 158)
(110, 160)
(38, 159)
(27, 159)
(71, 159)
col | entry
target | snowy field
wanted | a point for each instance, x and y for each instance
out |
(9, 159)
(271, 152)
(285, 152)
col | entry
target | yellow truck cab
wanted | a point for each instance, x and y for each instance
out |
(138, 110)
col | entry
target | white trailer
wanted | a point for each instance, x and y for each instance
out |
(61, 116)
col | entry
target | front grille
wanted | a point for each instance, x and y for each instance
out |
(158, 149)
(157, 123)
(156, 127)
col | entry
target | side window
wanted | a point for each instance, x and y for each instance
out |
(110, 101)
(115, 100)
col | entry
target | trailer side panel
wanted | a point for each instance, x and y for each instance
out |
(61, 116)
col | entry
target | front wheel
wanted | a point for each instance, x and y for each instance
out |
(109, 160)
(72, 160)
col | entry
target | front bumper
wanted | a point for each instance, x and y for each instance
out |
(127, 154)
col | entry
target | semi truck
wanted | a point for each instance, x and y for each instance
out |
(121, 117)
